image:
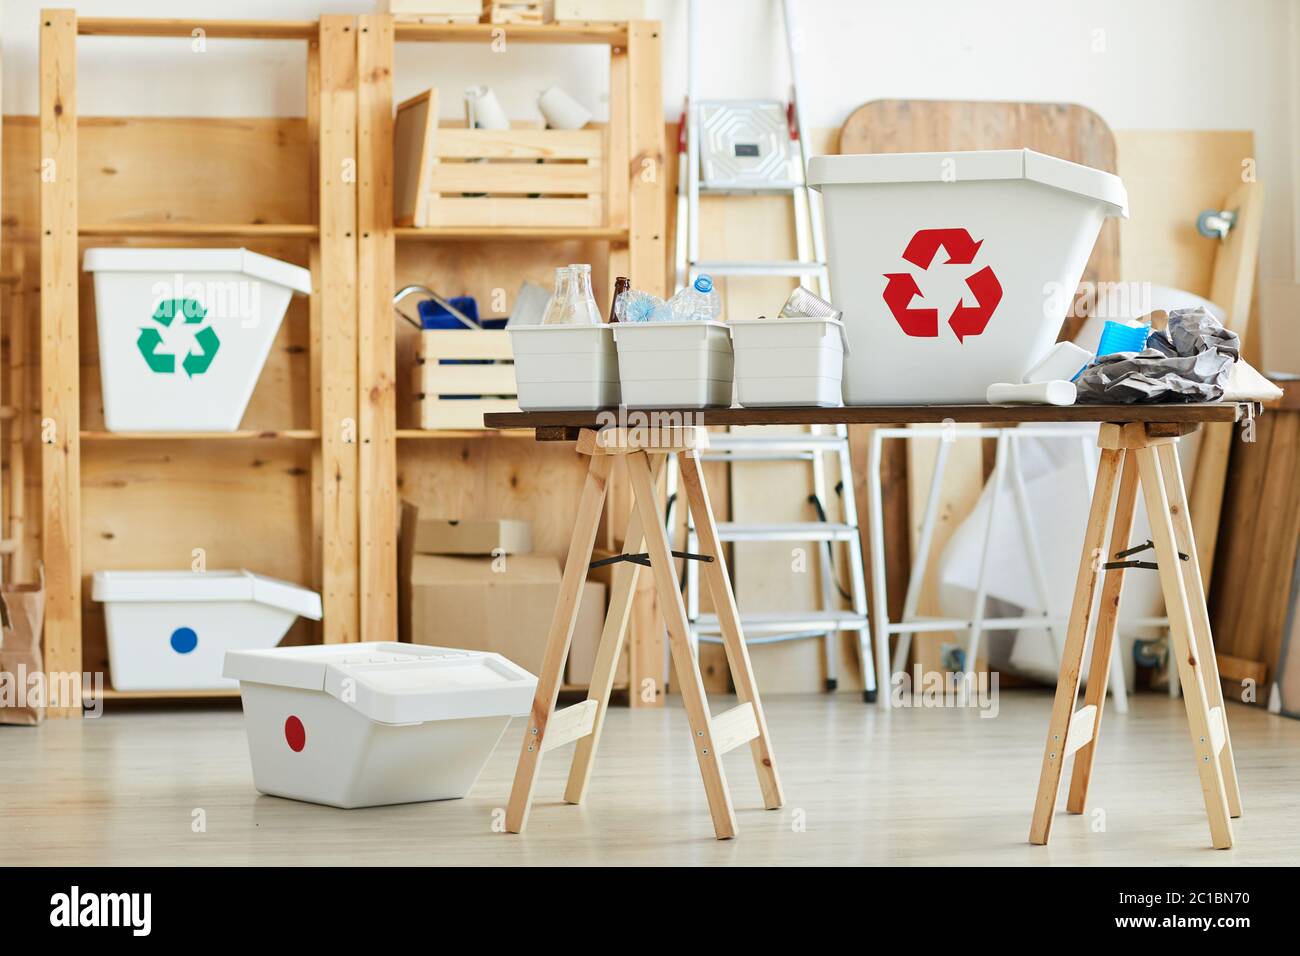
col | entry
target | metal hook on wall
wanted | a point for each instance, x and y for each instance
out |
(1216, 223)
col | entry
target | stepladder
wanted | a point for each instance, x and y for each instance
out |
(1138, 457)
(646, 546)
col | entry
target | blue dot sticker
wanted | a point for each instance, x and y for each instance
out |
(184, 640)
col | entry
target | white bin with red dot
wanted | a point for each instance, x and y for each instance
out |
(170, 630)
(376, 723)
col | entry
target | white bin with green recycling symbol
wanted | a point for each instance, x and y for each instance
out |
(184, 333)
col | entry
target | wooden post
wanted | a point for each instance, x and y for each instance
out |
(376, 345)
(685, 666)
(563, 621)
(1067, 686)
(646, 170)
(1193, 672)
(19, 565)
(335, 390)
(724, 601)
(60, 354)
(623, 594)
(1103, 639)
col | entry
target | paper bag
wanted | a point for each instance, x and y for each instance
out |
(22, 614)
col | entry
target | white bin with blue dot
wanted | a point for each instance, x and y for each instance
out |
(170, 630)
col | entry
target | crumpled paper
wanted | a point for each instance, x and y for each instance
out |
(1189, 361)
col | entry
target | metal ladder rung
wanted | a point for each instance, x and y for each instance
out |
(794, 531)
(814, 622)
(789, 267)
(746, 442)
(788, 186)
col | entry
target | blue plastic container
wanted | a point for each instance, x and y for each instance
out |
(1118, 337)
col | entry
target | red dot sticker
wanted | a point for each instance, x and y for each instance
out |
(295, 734)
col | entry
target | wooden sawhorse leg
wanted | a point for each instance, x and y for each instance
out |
(711, 736)
(1149, 458)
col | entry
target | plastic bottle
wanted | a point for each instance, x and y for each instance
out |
(698, 301)
(637, 306)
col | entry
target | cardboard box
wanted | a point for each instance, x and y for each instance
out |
(483, 536)
(469, 602)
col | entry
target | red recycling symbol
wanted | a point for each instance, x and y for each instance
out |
(965, 319)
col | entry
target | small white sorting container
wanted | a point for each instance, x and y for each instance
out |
(170, 630)
(184, 333)
(682, 364)
(955, 270)
(565, 366)
(788, 361)
(360, 725)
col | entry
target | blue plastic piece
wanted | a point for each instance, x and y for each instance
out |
(1118, 337)
(184, 640)
(704, 283)
(434, 316)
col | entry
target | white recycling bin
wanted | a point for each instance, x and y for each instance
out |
(676, 364)
(361, 725)
(788, 361)
(170, 630)
(955, 270)
(184, 333)
(565, 366)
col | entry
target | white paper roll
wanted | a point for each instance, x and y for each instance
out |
(561, 110)
(483, 111)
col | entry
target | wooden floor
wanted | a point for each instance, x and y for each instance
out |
(864, 787)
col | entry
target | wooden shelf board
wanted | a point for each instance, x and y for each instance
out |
(609, 33)
(213, 29)
(109, 693)
(448, 233)
(198, 230)
(247, 434)
(435, 433)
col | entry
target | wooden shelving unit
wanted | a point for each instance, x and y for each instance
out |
(298, 499)
(512, 478)
(329, 479)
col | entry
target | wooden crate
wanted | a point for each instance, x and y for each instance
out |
(572, 11)
(517, 11)
(460, 363)
(436, 11)
(522, 178)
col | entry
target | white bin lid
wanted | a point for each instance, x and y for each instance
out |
(971, 165)
(395, 683)
(114, 259)
(174, 586)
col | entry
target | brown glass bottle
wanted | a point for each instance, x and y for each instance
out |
(621, 285)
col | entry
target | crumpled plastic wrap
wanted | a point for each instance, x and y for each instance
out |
(1187, 362)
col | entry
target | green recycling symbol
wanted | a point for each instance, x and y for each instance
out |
(194, 363)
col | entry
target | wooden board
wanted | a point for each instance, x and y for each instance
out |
(376, 355)
(896, 415)
(60, 412)
(1171, 175)
(1256, 557)
(335, 400)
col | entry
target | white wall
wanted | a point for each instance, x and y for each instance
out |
(1141, 64)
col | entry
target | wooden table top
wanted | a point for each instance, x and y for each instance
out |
(554, 421)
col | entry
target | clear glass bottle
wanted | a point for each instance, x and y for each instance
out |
(584, 310)
(561, 298)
